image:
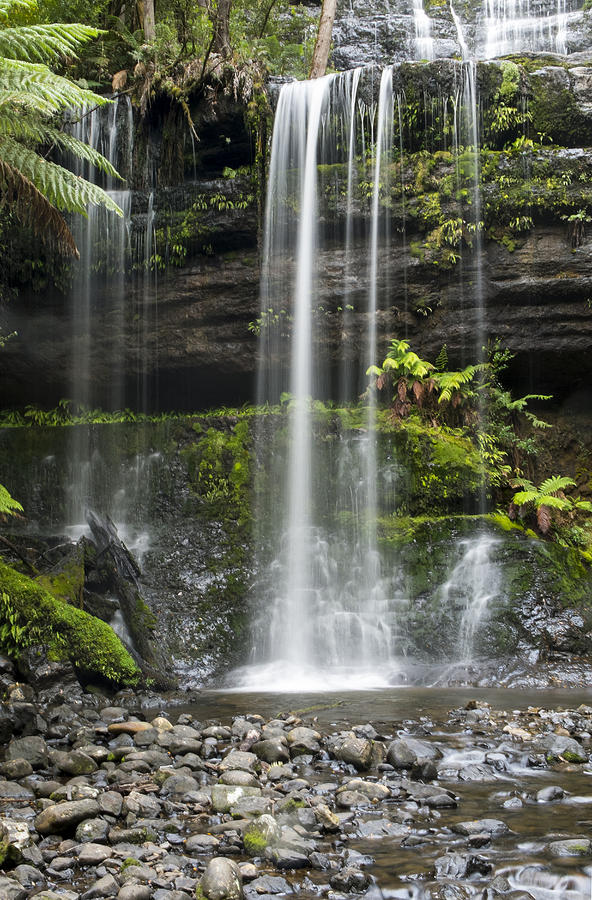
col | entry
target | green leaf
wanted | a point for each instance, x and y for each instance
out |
(8, 505)
(556, 483)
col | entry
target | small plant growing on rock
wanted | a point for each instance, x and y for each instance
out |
(544, 499)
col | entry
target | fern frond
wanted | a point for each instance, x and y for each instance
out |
(556, 483)
(8, 505)
(44, 43)
(583, 504)
(441, 363)
(373, 370)
(555, 502)
(8, 7)
(62, 188)
(522, 498)
(56, 92)
(28, 128)
(33, 209)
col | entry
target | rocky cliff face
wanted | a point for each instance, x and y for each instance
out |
(185, 330)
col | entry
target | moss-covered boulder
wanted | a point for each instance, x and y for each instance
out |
(29, 613)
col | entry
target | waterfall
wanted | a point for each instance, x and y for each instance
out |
(470, 588)
(513, 26)
(424, 42)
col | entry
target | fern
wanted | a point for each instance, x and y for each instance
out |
(556, 483)
(8, 505)
(450, 382)
(31, 95)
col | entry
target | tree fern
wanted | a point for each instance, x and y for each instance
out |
(8, 505)
(450, 382)
(36, 189)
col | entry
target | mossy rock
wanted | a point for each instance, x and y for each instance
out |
(69, 633)
(66, 582)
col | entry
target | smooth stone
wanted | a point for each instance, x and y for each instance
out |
(92, 830)
(260, 834)
(326, 818)
(372, 789)
(572, 847)
(272, 750)
(16, 768)
(93, 854)
(286, 858)
(558, 745)
(130, 727)
(32, 749)
(460, 865)
(270, 884)
(224, 796)
(493, 827)
(11, 790)
(104, 887)
(303, 740)
(222, 880)
(15, 833)
(239, 777)
(403, 753)
(65, 816)
(240, 759)
(110, 802)
(552, 792)
(201, 843)
(72, 763)
(161, 724)
(11, 889)
(355, 752)
(28, 876)
(136, 892)
(377, 828)
(249, 807)
(350, 879)
(350, 799)
(177, 786)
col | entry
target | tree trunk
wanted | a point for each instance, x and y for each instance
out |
(320, 56)
(221, 41)
(149, 29)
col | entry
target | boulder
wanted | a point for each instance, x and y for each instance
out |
(64, 817)
(222, 880)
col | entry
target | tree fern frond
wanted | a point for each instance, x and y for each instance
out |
(33, 209)
(556, 483)
(583, 504)
(8, 505)
(62, 188)
(28, 128)
(8, 7)
(44, 43)
(42, 82)
(521, 498)
(554, 502)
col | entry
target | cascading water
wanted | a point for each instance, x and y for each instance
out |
(102, 319)
(424, 42)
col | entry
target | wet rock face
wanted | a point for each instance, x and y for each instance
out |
(146, 824)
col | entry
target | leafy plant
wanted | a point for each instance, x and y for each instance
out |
(8, 505)
(549, 495)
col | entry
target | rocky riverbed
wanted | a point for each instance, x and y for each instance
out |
(136, 798)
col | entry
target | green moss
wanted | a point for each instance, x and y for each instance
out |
(69, 633)
(570, 757)
(129, 861)
(254, 843)
(67, 584)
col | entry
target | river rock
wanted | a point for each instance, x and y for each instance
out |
(269, 884)
(272, 750)
(356, 752)
(261, 834)
(547, 794)
(12, 790)
(104, 887)
(63, 817)
(224, 796)
(286, 858)
(350, 879)
(142, 892)
(222, 880)
(16, 768)
(239, 759)
(250, 807)
(372, 789)
(201, 843)
(303, 740)
(132, 726)
(178, 786)
(11, 889)
(239, 777)
(492, 827)
(557, 745)
(404, 753)
(33, 749)
(73, 763)
(91, 854)
(460, 865)
(572, 847)
(92, 830)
